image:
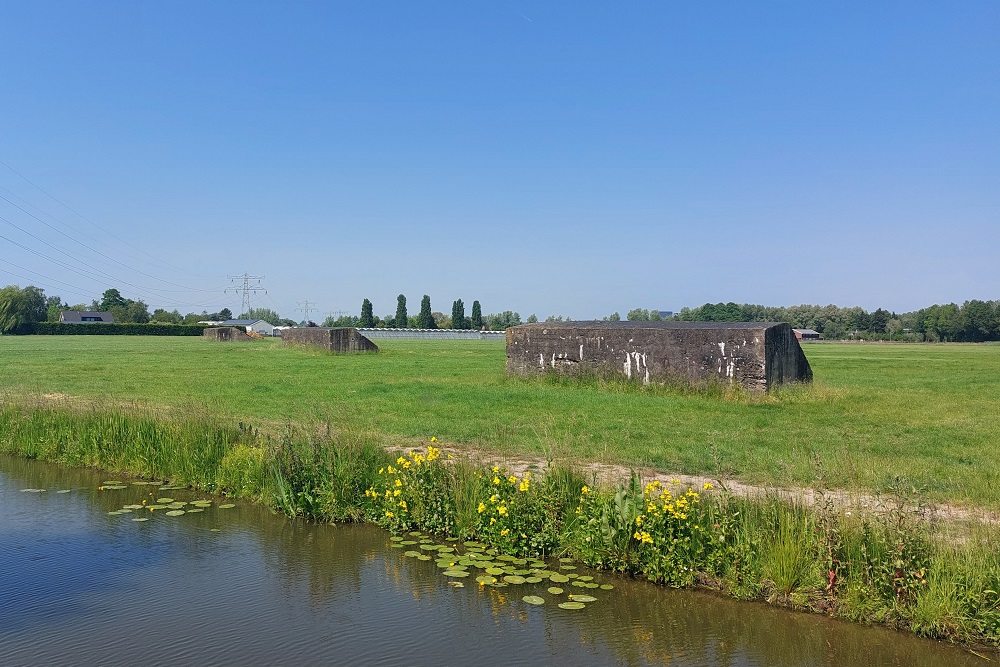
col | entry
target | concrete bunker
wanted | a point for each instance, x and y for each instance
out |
(226, 334)
(341, 340)
(753, 355)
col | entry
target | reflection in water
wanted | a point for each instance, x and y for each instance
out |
(79, 586)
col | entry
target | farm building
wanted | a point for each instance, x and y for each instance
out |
(262, 327)
(86, 316)
(806, 334)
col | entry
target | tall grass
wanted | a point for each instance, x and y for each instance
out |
(884, 567)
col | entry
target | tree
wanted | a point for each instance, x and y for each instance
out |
(532, 318)
(111, 298)
(342, 321)
(367, 319)
(502, 321)
(161, 315)
(613, 317)
(425, 320)
(476, 320)
(458, 320)
(53, 307)
(225, 314)
(401, 318)
(21, 306)
(638, 315)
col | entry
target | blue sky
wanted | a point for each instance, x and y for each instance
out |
(571, 158)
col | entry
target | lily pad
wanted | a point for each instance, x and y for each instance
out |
(133, 507)
(456, 584)
(486, 579)
(227, 506)
(558, 578)
(583, 598)
(423, 557)
(411, 554)
(64, 490)
(494, 570)
(555, 590)
(396, 538)
(140, 482)
(408, 542)
(111, 482)
(140, 518)
(565, 560)
(430, 547)
(567, 567)
(175, 512)
(533, 599)
(455, 573)
(112, 487)
(164, 501)
(397, 545)
(415, 533)
(195, 509)
(606, 587)
(585, 578)
(32, 490)
(514, 579)
(571, 605)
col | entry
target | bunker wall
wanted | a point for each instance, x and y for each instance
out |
(226, 334)
(341, 340)
(754, 356)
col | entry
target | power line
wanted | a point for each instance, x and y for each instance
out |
(247, 289)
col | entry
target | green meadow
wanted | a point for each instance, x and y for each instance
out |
(876, 413)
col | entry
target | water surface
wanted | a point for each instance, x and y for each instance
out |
(80, 586)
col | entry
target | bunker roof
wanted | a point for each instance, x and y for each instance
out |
(651, 324)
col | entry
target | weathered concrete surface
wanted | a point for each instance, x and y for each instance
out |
(226, 334)
(340, 340)
(754, 355)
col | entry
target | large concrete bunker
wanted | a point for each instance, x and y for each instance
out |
(754, 355)
(341, 340)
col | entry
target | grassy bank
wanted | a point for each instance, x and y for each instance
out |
(875, 412)
(883, 568)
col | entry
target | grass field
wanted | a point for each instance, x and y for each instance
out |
(928, 413)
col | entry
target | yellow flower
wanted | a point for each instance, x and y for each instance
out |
(496, 480)
(432, 453)
(638, 520)
(502, 510)
(396, 492)
(402, 503)
(524, 485)
(406, 464)
(400, 460)
(481, 508)
(399, 483)
(451, 456)
(493, 498)
(503, 533)
(512, 479)
(707, 486)
(493, 520)
(433, 439)
(585, 490)
(389, 514)
(496, 469)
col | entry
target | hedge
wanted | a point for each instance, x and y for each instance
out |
(107, 329)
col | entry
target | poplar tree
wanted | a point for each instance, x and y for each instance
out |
(425, 320)
(476, 321)
(458, 320)
(402, 319)
(367, 318)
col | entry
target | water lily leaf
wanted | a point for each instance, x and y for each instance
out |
(396, 538)
(514, 579)
(572, 575)
(567, 567)
(133, 507)
(216, 530)
(64, 490)
(139, 482)
(446, 550)
(140, 518)
(606, 587)
(408, 542)
(494, 570)
(455, 573)
(555, 590)
(227, 506)
(532, 580)
(195, 509)
(585, 578)
(164, 500)
(112, 487)
(486, 579)
(415, 533)
(397, 545)
(473, 544)
(571, 605)
(456, 584)
(430, 547)
(533, 599)
(174, 512)
(423, 557)
(583, 598)
(411, 554)
(112, 482)
(558, 579)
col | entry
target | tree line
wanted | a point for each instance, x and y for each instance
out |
(427, 318)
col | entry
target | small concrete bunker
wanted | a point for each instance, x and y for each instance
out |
(225, 334)
(754, 355)
(341, 340)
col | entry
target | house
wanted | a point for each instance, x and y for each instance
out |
(86, 316)
(261, 327)
(806, 334)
